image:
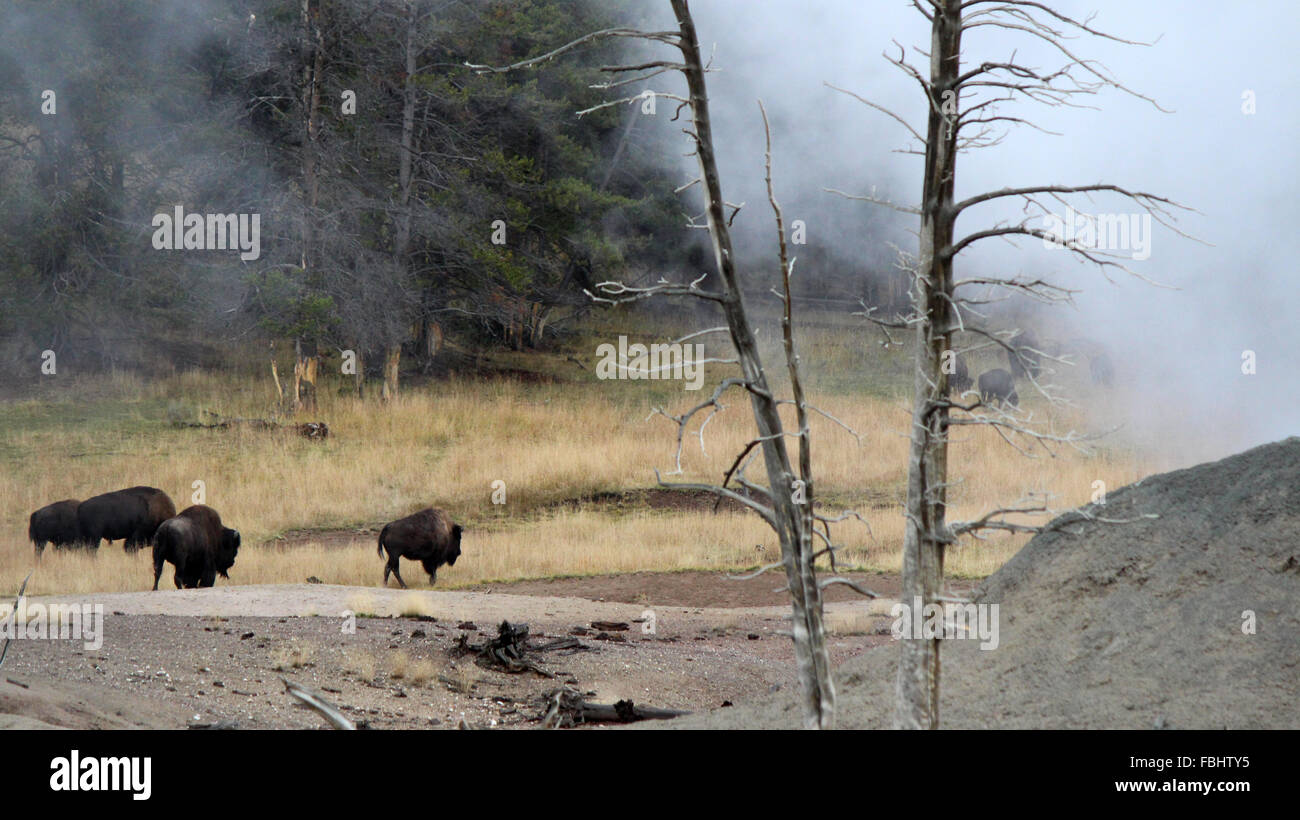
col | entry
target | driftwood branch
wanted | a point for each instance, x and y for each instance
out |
(566, 707)
(22, 590)
(314, 701)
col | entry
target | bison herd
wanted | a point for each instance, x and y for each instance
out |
(200, 547)
(1024, 361)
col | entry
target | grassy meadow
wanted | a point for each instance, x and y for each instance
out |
(554, 435)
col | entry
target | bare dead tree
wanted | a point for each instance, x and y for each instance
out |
(18, 602)
(306, 358)
(963, 113)
(785, 503)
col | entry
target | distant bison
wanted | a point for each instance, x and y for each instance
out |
(998, 386)
(55, 523)
(959, 380)
(428, 536)
(1022, 357)
(197, 545)
(1103, 372)
(132, 514)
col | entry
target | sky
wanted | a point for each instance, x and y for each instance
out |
(1178, 348)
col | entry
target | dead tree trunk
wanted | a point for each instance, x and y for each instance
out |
(917, 684)
(306, 358)
(405, 180)
(304, 378)
(359, 377)
(392, 360)
(957, 100)
(781, 500)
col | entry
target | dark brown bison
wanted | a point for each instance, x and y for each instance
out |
(1023, 355)
(55, 523)
(998, 386)
(132, 514)
(959, 380)
(197, 545)
(428, 536)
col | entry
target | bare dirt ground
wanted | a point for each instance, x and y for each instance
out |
(1185, 616)
(179, 658)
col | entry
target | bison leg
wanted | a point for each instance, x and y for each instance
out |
(209, 578)
(431, 568)
(393, 568)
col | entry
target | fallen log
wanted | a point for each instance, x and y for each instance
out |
(308, 429)
(566, 707)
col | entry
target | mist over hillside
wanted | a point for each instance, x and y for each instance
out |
(196, 103)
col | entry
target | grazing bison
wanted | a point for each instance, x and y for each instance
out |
(55, 523)
(997, 385)
(197, 545)
(1103, 372)
(959, 380)
(428, 536)
(132, 514)
(1022, 357)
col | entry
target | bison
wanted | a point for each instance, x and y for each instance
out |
(959, 380)
(428, 536)
(132, 514)
(55, 523)
(197, 545)
(1022, 356)
(997, 385)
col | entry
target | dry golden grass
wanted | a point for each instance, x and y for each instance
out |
(360, 663)
(398, 663)
(446, 444)
(461, 677)
(852, 622)
(421, 671)
(293, 656)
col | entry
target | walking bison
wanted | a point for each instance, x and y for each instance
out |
(56, 524)
(132, 514)
(428, 536)
(998, 386)
(197, 545)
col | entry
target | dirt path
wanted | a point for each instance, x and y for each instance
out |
(175, 658)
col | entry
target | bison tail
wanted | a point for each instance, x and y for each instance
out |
(382, 533)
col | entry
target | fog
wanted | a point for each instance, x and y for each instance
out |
(1178, 348)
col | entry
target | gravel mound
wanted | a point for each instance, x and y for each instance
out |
(1135, 625)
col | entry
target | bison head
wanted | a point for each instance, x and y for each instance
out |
(454, 552)
(226, 554)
